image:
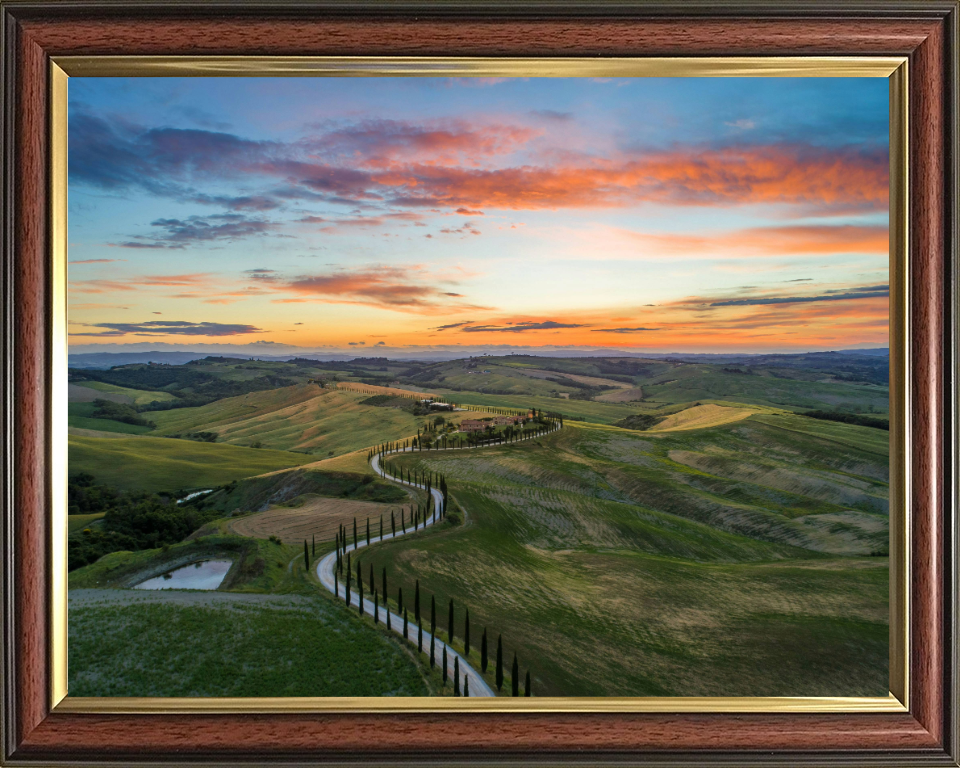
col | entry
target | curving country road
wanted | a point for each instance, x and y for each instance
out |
(326, 566)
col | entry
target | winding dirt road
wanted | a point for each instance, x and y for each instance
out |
(325, 572)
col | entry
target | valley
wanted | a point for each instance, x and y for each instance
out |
(687, 531)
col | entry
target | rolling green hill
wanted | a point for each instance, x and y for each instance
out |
(80, 416)
(158, 464)
(302, 418)
(731, 560)
(137, 396)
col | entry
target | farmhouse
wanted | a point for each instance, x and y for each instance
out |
(472, 425)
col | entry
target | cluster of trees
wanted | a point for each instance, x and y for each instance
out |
(200, 437)
(639, 421)
(190, 386)
(849, 418)
(132, 520)
(535, 426)
(108, 409)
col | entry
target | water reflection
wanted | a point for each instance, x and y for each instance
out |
(205, 574)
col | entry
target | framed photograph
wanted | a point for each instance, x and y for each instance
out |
(439, 384)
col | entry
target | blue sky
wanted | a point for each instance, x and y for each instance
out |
(425, 213)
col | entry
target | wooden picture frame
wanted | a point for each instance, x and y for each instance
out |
(35, 34)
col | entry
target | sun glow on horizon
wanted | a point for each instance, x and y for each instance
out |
(428, 213)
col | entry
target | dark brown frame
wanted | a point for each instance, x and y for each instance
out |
(925, 32)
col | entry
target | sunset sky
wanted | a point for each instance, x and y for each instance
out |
(423, 214)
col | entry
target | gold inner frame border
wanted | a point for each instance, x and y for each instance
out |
(894, 68)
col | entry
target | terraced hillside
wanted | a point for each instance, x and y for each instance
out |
(746, 558)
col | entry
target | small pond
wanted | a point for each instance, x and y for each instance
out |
(206, 574)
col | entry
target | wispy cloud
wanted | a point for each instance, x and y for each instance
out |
(181, 233)
(546, 325)
(408, 289)
(871, 292)
(450, 165)
(165, 327)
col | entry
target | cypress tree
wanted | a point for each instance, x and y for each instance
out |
(346, 594)
(456, 675)
(386, 607)
(450, 621)
(466, 685)
(360, 588)
(466, 634)
(515, 676)
(444, 666)
(483, 651)
(306, 556)
(499, 662)
(376, 607)
(526, 686)
(432, 650)
(368, 531)
(403, 523)
(400, 599)
(420, 638)
(404, 623)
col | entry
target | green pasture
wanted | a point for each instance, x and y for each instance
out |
(137, 396)
(613, 569)
(157, 463)
(263, 646)
(302, 418)
(80, 415)
(76, 523)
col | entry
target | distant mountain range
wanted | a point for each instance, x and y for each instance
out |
(103, 360)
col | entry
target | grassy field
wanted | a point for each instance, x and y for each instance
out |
(702, 416)
(692, 382)
(723, 561)
(156, 463)
(587, 410)
(268, 631)
(319, 517)
(302, 418)
(80, 415)
(136, 396)
(175, 644)
(76, 523)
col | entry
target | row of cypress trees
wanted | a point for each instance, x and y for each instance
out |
(403, 610)
(554, 422)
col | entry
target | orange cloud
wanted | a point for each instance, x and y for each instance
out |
(769, 241)
(823, 178)
(386, 287)
(134, 283)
